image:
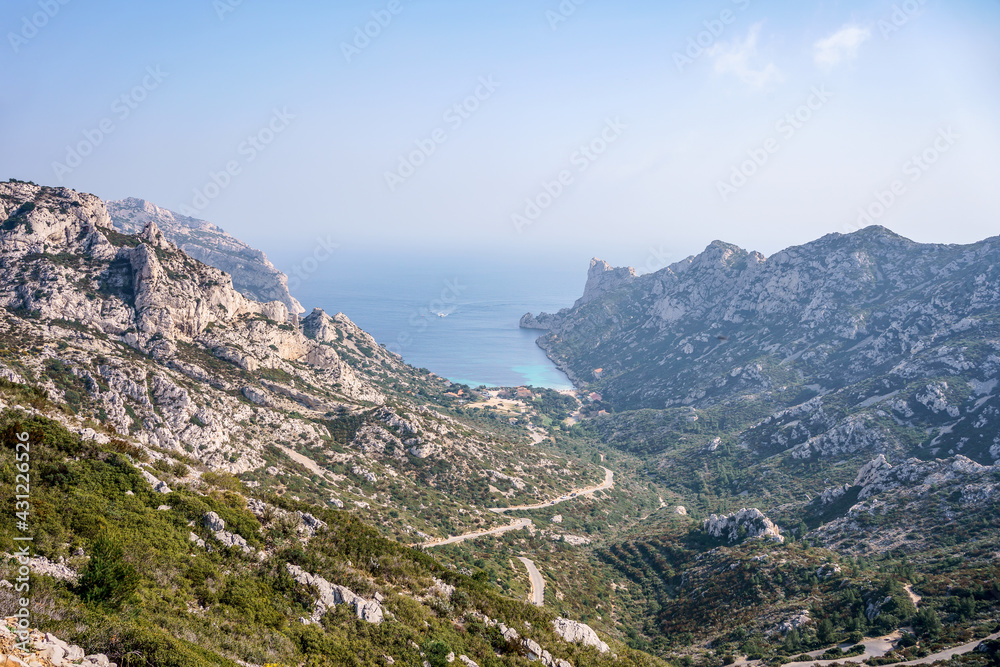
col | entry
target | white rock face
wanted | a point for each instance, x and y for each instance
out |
(878, 477)
(830, 496)
(214, 523)
(579, 633)
(158, 486)
(603, 278)
(45, 648)
(425, 450)
(55, 569)
(331, 595)
(934, 397)
(251, 271)
(794, 623)
(531, 648)
(871, 470)
(753, 521)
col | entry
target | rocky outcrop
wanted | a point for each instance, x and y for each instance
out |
(603, 279)
(543, 321)
(252, 273)
(158, 485)
(906, 499)
(331, 595)
(795, 622)
(43, 648)
(747, 524)
(878, 477)
(43, 566)
(579, 633)
(532, 649)
(217, 528)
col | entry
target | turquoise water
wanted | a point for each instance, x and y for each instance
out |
(400, 300)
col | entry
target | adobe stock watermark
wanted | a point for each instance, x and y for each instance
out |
(787, 127)
(247, 151)
(121, 108)
(900, 16)
(699, 44)
(30, 25)
(365, 34)
(225, 7)
(420, 318)
(302, 271)
(912, 171)
(581, 160)
(562, 13)
(455, 116)
(658, 258)
(22, 514)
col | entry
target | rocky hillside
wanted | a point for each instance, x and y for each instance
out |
(253, 274)
(141, 341)
(837, 399)
(213, 483)
(125, 572)
(844, 342)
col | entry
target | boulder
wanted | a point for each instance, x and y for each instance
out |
(579, 633)
(753, 522)
(213, 522)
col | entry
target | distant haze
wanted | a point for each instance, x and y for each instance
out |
(637, 131)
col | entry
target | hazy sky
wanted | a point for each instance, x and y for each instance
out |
(761, 123)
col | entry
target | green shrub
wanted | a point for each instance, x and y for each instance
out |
(108, 579)
(926, 623)
(437, 652)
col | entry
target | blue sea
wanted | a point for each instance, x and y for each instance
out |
(455, 316)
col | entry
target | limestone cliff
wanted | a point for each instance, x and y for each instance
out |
(252, 273)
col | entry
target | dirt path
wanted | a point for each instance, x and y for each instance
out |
(609, 482)
(537, 583)
(876, 648)
(537, 436)
(518, 524)
(914, 598)
(304, 461)
(952, 652)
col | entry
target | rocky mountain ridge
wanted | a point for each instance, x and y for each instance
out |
(835, 309)
(839, 345)
(252, 272)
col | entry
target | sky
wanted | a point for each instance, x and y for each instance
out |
(542, 130)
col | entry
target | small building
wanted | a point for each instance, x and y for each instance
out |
(524, 393)
(595, 397)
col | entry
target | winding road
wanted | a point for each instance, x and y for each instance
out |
(537, 583)
(517, 524)
(609, 482)
(876, 648)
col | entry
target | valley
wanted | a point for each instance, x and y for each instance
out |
(765, 458)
